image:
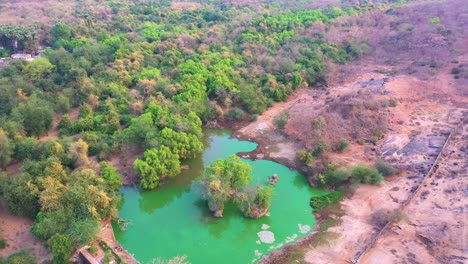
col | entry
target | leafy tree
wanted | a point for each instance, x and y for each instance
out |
(49, 197)
(60, 32)
(8, 98)
(61, 247)
(83, 232)
(111, 176)
(65, 123)
(159, 164)
(26, 149)
(254, 201)
(36, 115)
(21, 196)
(39, 69)
(142, 130)
(79, 151)
(6, 149)
(222, 178)
(186, 146)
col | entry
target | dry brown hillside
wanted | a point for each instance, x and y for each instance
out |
(400, 102)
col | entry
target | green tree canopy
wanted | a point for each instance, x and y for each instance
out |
(222, 178)
(6, 149)
(186, 146)
(111, 176)
(61, 247)
(36, 115)
(38, 69)
(159, 164)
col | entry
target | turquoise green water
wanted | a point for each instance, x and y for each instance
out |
(174, 221)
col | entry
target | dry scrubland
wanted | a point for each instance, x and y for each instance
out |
(411, 88)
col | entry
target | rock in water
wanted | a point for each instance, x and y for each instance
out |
(304, 229)
(266, 237)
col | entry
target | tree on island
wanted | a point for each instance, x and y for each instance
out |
(228, 180)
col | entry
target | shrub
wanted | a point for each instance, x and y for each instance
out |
(319, 122)
(304, 156)
(65, 122)
(22, 257)
(455, 71)
(93, 250)
(392, 103)
(342, 145)
(3, 243)
(364, 174)
(336, 177)
(281, 120)
(320, 148)
(385, 168)
(235, 114)
(434, 20)
(320, 202)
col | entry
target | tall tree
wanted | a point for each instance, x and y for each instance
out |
(6, 149)
(36, 115)
(159, 164)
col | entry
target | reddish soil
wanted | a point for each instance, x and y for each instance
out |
(426, 113)
(15, 230)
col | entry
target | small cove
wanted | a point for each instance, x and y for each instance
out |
(174, 220)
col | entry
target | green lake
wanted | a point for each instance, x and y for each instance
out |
(174, 221)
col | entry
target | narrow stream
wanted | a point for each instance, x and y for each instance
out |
(174, 221)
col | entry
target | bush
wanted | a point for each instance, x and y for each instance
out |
(320, 148)
(21, 257)
(304, 156)
(336, 177)
(235, 114)
(385, 168)
(342, 145)
(363, 174)
(281, 120)
(320, 202)
(455, 71)
(3, 243)
(93, 250)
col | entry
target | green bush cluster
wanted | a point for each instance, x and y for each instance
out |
(363, 174)
(342, 145)
(320, 202)
(304, 156)
(281, 120)
(385, 168)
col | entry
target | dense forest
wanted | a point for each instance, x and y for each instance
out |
(150, 74)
